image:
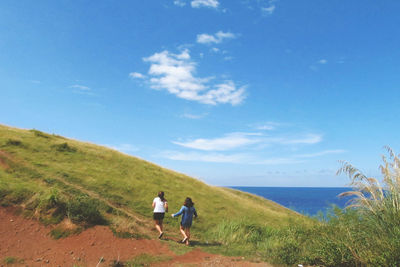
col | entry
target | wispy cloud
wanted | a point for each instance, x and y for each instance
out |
(268, 126)
(205, 3)
(205, 157)
(137, 75)
(217, 38)
(306, 139)
(235, 140)
(176, 74)
(243, 158)
(180, 3)
(321, 153)
(125, 148)
(81, 89)
(228, 142)
(265, 147)
(267, 7)
(315, 66)
(268, 10)
(193, 116)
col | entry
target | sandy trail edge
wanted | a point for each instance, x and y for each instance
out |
(29, 240)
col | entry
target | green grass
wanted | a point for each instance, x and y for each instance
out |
(12, 261)
(54, 178)
(146, 260)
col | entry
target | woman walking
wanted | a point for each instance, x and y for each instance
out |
(160, 206)
(187, 211)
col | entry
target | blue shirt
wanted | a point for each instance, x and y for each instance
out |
(187, 215)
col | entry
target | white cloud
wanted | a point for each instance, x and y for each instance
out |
(228, 142)
(205, 3)
(205, 157)
(80, 87)
(176, 74)
(217, 38)
(322, 153)
(306, 139)
(236, 140)
(323, 61)
(258, 148)
(243, 158)
(206, 39)
(125, 148)
(268, 126)
(193, 116)
(179, 3)
(137, 75)
(268, 10)
(240, 158)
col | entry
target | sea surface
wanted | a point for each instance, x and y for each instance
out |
(306, 200)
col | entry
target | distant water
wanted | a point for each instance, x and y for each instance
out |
(305, 200)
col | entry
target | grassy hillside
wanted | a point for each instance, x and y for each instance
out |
(47, 174)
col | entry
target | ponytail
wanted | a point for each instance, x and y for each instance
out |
(161, 196)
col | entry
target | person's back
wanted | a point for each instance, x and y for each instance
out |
(159, 205)
(187, 215)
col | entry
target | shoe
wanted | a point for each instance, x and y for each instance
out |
(159, 237)
(184, 240)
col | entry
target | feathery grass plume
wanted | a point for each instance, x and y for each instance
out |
(369, 193)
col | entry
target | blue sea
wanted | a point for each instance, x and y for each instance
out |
(306, 200)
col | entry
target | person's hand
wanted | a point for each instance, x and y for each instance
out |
(172, 215)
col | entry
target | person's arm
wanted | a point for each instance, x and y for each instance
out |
(179, 212)
(195, 213)
(153, 205)
(166, 206)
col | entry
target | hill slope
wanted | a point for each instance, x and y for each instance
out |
(47, 174)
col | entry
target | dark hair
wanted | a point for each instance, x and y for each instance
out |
(161, 196)
(188, 202)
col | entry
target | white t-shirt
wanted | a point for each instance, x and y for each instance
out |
(159, 207)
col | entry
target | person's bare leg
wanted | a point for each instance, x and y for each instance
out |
(158, 226)
(187, 232)
(183, 232)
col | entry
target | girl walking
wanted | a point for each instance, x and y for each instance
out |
(187, 211)
(160, 206)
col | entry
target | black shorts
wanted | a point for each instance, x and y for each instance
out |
(158, 216)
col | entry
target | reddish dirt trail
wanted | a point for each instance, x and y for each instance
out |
(29, 240)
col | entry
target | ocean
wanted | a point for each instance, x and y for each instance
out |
(306, 200)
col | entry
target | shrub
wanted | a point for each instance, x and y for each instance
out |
(64, 147)
(39, 134)
(84, 210)
(12, 260)
(60, 232)
(14, 142)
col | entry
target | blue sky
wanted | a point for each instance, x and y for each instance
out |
(247, 92)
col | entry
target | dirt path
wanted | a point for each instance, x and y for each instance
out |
(29, 241)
